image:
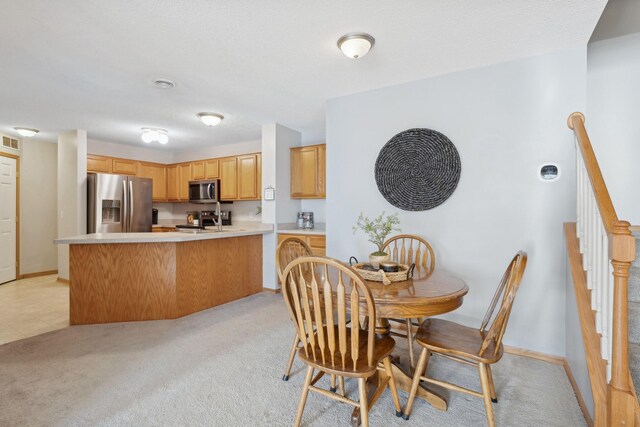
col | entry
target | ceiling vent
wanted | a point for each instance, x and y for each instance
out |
(10, 143)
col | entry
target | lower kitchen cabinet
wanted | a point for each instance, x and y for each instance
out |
(317, 242)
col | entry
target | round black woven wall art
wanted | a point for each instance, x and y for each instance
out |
(418, 169)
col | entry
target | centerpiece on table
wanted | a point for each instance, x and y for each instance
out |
(377, 229)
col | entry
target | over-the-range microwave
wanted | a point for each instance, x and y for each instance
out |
(204, 191)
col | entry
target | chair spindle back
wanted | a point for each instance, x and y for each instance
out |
(288, 250)
(505, 294)
(408, 249)
(325, 337)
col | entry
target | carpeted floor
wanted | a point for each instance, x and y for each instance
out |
(223, 367)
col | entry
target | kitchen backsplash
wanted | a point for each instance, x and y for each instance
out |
(241, 211)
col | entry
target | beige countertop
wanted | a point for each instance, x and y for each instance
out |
(291, 228)
(242, 229)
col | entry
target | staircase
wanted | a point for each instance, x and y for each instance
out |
(634, 317)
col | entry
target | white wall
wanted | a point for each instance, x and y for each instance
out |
(612, 118)
(112, 149)
(505, 120)
(218, 151)
(38, 200)
(72, 192)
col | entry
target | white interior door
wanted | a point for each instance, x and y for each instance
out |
(7, 219)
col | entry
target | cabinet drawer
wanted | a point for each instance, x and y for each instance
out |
(317, 241)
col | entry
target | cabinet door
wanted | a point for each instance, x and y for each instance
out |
(248, 176)
(125, 167)
(322, 171)
(259, 173)
(172, 182)
(229, 178)
(99, 164)
(184, 172)
(197, 170)
(211, 169)
(158, 173)
(304, 172)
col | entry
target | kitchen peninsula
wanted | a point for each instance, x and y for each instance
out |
(121, 277)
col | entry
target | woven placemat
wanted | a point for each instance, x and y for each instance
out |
(418, 169)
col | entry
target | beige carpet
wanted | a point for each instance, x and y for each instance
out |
(223, 367)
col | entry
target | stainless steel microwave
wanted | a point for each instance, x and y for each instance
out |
(204, 191)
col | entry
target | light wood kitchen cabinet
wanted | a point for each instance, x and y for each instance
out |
(211, 169)
(125, 167)
(99, 164)
(158, 173)
(248, 177)
(317, 242)
(184, 173)
(197, 170)
(229, 178)
(172, 183)
(308, 172)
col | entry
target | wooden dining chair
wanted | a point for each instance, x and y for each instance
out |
(476, 347)
(288, 250)
(409, 249)
(329, 345)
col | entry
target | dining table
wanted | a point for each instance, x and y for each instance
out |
(428, 293)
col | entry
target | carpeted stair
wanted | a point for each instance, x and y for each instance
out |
(634, 317)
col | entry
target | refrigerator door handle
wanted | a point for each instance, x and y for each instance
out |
(130, 204)
(125, 210)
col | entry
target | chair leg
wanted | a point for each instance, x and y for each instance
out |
(303, 396)
(486, 393)
(341, 385)
(333, 383)
(412, 362)
(418, 372)
(492, 389)
(392, 386)
(292, 355)
(364, 402)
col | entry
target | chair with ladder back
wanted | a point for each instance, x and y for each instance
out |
(476, 347)
(329, 345)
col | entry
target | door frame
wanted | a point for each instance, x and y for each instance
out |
(17, 159)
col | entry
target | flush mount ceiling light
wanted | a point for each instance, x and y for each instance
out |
(26, 132)
(210, 119)
(155, 135)
(164, 83)
(356, 45)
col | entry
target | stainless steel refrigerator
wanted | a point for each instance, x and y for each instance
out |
(118, 203)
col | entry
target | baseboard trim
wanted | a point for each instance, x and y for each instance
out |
(272, 291)
(61, 280)
(38, 274)
(558, 360)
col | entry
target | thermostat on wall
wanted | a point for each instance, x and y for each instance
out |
(269, 193)
(549, 172)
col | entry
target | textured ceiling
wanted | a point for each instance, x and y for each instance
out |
(88, 64)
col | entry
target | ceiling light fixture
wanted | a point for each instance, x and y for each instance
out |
(26, 132)
(356, 45)
(155, 135)
(164, 83)
(210, 119)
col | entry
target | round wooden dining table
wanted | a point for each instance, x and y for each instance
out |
(428, 293)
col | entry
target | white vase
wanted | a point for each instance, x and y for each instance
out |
(375, 260)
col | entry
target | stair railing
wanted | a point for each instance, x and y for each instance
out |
(608, 249)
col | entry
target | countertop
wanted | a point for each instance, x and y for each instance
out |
(242, 229)
(291, 228)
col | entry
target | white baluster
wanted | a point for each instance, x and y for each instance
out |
(603, 269)
(579, 197)
(595, 255)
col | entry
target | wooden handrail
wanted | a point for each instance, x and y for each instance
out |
(605, 205)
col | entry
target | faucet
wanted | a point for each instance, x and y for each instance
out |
(218, 223)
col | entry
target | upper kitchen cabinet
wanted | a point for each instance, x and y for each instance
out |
(184, 173)
(229, 178)
(197, 170)
(211, 170)
(173, 183)
(99, 164)
(308, 172)
(249, 176)
(158, 173)
(125, 167)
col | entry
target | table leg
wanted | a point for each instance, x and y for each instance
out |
(403, 379)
